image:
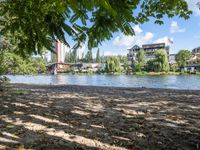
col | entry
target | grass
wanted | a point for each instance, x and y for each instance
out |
(18, 92)
(155, 73)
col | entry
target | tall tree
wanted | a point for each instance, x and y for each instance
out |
(140, 58)
(37, 23)
(162, 60)
(89, 56)
(113, 64)
(98, 58)
(182, 57)
(67, 57)
(75, 57)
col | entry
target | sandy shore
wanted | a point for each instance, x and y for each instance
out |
(82, 117)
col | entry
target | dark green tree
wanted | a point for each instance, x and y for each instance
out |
(160, 63)
(182, 57)
(15, 64)
(162, 60)
(67, 57)
(53, 57)
(35, 24)
(98, 58)
(89, 56)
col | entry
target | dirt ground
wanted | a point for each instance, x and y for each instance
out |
(87, 118)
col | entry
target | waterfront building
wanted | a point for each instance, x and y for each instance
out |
(172, 59)
(60, 49)
(149, 50)
(132, 52)
(196, 50)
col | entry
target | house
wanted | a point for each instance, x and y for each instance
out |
(149, 51)
(191, 68)
(172, 59)
(196, 51)
(132, 54)
(55, 68)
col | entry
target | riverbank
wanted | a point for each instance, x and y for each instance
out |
(86, 117)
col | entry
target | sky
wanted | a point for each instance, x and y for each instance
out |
(185, 34)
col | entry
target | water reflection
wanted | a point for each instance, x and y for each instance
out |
(175, 82)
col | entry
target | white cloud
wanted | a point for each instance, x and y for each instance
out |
(193, 6)
(139, 38)
(174, 27)
(166, 40)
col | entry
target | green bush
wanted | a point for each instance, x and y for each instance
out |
(14, 64)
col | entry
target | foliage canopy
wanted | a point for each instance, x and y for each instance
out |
(35, 24)
(11, 63)
(98, 58)
(182, 56)
(113, 65)
(160, 63)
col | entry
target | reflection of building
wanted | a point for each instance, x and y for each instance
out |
(149, 50)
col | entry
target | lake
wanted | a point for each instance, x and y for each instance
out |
(170, 81)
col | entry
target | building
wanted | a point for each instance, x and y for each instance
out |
(149, 51)
(172, 59)
(60, 49)
(196, 51)
(132, 54)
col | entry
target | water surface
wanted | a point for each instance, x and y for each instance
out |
(172, 81)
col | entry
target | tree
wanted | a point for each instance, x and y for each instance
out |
(98, 58)
(160, 63)
(182, 57)
(67, 57)
(89, 58)
(140, 58)
(53, 57)
(12, 63)
(162, 60)
(38, 23)
(113, 65)
(75, 58)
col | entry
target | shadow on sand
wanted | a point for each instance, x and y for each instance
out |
(80, 117)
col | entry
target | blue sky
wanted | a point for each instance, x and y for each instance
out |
(185, 34)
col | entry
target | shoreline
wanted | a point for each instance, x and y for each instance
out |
(103, 87)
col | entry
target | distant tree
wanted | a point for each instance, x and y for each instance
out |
(113, 64)
(173, 67)
(140, 58)
(67, 57)
(98, 58)
(151, 65)
(162, 60)
(123, 59)
(12, 63)
(82, 57)
(160, 63)
(75, 56)
(89, 58)
(182, 57)
(53, 58)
